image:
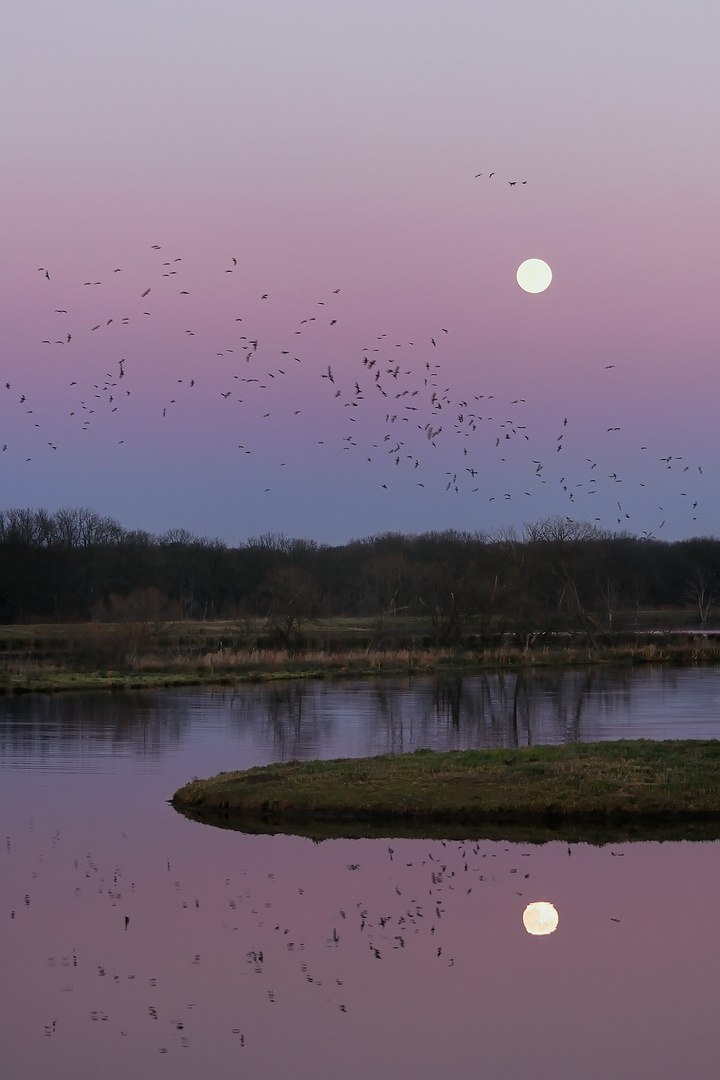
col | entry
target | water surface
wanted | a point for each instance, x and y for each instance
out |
(134, 942)
(277, 721)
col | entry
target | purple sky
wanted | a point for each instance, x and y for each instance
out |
(334, 146)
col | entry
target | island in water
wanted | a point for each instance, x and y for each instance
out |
(606, 782)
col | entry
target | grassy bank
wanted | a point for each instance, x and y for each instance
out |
(96, 657)
(600, 782)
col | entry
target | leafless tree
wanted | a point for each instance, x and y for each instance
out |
(701, 589)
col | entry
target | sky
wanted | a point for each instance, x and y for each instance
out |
(297, 186)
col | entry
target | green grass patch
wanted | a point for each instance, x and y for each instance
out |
(592, 782)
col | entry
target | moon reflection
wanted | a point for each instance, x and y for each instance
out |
(534, 275)
(540, 918)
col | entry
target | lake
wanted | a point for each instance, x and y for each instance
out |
(135, 942)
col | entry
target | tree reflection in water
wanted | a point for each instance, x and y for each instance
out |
(357, 717)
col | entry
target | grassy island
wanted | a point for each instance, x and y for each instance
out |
(608, 782)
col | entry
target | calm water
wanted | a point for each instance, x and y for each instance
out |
(135, 943)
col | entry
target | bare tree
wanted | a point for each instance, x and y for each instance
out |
(702, 591)
(609, 589)
(293, 598)
(138, 617)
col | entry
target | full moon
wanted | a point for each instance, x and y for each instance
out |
(540, 918)
(534, 275)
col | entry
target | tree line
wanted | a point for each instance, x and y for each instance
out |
(75, 564)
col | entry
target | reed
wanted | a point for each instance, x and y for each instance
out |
(23, 670)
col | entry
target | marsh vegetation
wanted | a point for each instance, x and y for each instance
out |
(96, 656)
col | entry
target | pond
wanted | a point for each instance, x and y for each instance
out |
(135, 942)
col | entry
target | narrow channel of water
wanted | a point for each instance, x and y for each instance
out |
(259, 723)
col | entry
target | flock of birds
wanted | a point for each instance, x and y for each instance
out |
(389, 403)
(510, 183)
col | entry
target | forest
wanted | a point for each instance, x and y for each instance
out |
(74, 565)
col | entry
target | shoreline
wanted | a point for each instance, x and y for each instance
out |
(223, 669)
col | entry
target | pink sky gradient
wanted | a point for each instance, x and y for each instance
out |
(334, 147)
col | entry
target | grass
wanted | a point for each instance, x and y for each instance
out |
(615, 782)
(85, 657)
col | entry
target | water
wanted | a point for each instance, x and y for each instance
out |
(134, 942)
(207, 730)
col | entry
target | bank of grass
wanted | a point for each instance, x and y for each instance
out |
(27, 673)
(615, 782)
